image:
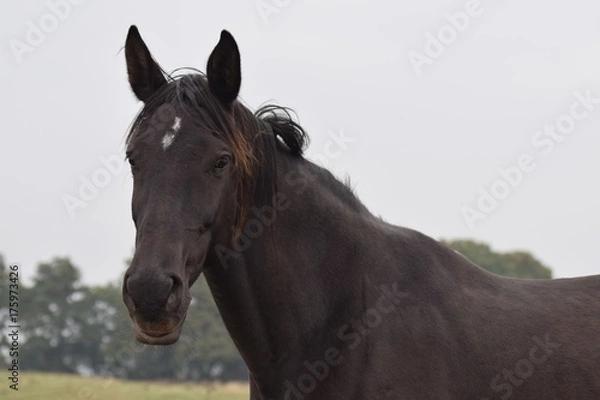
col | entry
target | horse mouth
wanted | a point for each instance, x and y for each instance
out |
(155, 338)
(165, 339)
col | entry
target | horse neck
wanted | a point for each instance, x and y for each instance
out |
(274, 289)
(319, 260)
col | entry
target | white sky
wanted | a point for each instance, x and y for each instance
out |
(423, 145)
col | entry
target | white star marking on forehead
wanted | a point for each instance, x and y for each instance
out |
(169, 137)
(176, 124)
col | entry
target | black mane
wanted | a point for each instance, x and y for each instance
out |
(282, 124)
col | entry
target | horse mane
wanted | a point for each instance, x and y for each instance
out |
(190, 91)
(282, 123)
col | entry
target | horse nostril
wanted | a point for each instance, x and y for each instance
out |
(173, 299)
(126, 285)
(127, 299)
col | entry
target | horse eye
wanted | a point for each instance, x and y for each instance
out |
(222, 162)
(128, 156)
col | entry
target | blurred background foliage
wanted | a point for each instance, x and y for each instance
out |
(69, 327)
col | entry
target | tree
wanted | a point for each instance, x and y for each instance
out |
(59, 316)
(71, 327)
(3, 273)
(204, 350)
(517, 264)
(124, 356)
(75, 328)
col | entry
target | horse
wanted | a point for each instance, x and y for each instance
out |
(322, 299)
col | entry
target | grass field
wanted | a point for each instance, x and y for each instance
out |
(41, 386)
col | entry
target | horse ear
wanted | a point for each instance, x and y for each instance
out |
(145, 76)
(223, 70)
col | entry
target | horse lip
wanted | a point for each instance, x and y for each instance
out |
(160, 339)
(165, 339)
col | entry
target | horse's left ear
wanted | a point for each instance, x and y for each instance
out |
(224, 71)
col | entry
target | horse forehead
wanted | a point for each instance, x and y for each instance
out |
(171, 134)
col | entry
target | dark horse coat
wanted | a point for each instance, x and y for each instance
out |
(322, 299)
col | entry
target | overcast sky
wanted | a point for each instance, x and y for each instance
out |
(517, 85)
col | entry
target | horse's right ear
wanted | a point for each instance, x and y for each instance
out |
(145, 76)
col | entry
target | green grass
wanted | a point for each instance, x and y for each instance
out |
(41, 386)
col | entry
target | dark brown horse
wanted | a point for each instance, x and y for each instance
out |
(322, 299)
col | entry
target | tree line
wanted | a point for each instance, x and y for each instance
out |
(70, 327)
